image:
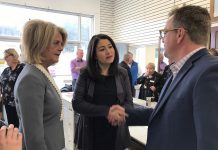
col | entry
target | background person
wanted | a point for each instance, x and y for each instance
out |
(7, 82)
(125, 65)
(38, 99)
(149, 83)
(134, 71)
(162, 64)
(166, 74)
(101, 90)
(75, 65)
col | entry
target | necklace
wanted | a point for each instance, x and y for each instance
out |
(51, 80)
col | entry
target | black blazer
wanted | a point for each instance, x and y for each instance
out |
(124, 65)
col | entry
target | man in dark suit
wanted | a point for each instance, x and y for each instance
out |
(124, 64)
(185, 117)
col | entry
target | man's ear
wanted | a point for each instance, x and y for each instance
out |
(180, 35)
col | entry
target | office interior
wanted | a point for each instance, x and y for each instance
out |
(133, 24)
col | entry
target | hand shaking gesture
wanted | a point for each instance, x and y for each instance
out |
(116, 115)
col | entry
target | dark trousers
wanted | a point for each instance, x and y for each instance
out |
(133, 91)
(12, 115)
(73, 85)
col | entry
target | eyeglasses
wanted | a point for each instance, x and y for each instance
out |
(163, 32)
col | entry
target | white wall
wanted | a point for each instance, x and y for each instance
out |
(138, 22)
(107, 17)
(88, 7)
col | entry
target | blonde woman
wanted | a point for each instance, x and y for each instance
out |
(7, 82)
(38, 98)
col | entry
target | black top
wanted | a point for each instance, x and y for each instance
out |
(124, 65)
(7, 82)
(166, 74)
(146, 82)
(83, 103)
(104, 94)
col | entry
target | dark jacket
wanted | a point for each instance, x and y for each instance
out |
(83, 104)
(124, 65)
(186, 115)
(146, 82)
(134, 72)
(166, 74)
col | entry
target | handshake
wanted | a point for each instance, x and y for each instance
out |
(116, 115)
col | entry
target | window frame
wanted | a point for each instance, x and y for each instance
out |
(78, 43)
(213, 18)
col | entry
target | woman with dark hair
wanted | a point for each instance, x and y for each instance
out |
(101, 93)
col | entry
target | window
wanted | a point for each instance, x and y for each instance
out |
(86, 26)
(79, 28)
(214, 10)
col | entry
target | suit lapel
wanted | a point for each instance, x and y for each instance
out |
(181, 74)
(166, 86)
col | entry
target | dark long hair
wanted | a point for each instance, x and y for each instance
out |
(92, 63)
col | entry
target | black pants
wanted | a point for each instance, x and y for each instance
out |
(12, 115)
(73, 85)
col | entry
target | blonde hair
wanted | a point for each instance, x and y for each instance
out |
(151, 65)
(37, 37)
(13, 52)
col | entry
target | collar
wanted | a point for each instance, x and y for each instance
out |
(79, 60)
(175, 67)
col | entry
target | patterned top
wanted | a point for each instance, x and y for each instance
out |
(7, 82)
(175, 67)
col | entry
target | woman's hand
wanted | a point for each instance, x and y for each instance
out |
(153, 88)
(10, 138)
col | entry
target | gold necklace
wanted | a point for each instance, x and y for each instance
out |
(49, 77)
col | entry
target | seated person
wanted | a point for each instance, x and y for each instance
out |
(149, 82)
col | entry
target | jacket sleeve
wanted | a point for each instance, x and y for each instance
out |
(81, 101)
(138, 116)
(141, 80)
(30, 95)
(205, 109)
(128, 100)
